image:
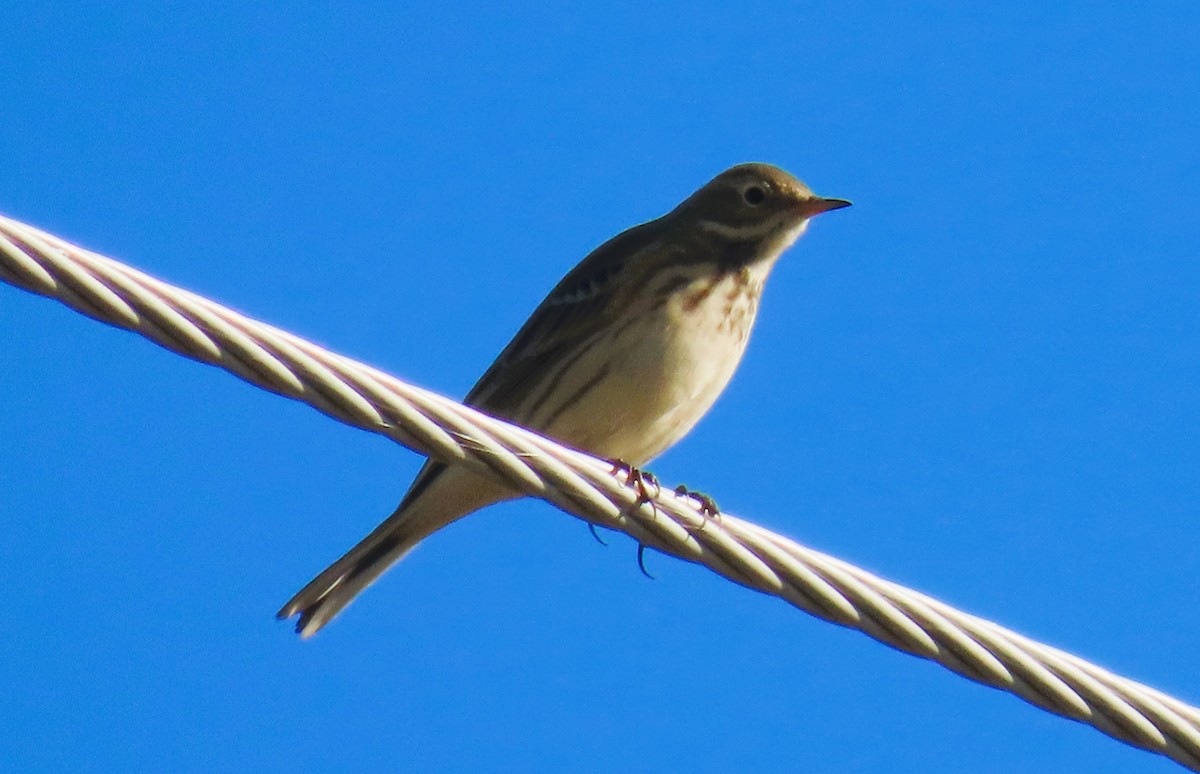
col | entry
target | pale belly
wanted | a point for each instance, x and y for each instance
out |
(666, 371)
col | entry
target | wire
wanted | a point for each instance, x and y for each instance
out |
(670, 522)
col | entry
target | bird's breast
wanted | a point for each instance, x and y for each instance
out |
(669, 362)
(709, 324)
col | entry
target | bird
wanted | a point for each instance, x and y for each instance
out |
(622, 358)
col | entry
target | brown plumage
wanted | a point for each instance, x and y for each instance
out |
(621, 359)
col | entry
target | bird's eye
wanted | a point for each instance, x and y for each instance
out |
(754, 195)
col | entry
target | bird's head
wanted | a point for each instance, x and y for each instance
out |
(756, 201)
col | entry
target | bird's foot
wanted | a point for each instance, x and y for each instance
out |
(708, 506)
(641, 480)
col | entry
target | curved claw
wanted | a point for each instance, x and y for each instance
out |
(642, 561)
(595, 534)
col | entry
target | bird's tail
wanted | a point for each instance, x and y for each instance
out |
(449, 495)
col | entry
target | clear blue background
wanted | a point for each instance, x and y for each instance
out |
(981, 381)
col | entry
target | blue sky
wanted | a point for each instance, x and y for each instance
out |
(980, 381)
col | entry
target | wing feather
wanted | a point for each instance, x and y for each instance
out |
(568, 317)
(565, 320)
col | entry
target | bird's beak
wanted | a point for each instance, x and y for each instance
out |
(817, 205)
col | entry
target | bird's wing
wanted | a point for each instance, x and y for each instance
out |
(564, 321)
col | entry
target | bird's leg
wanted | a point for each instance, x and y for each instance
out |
(640, 480)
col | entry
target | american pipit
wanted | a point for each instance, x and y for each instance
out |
(621, 360)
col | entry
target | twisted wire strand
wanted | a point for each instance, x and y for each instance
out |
(752, 556)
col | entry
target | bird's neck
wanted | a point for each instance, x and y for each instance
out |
(758, 254)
